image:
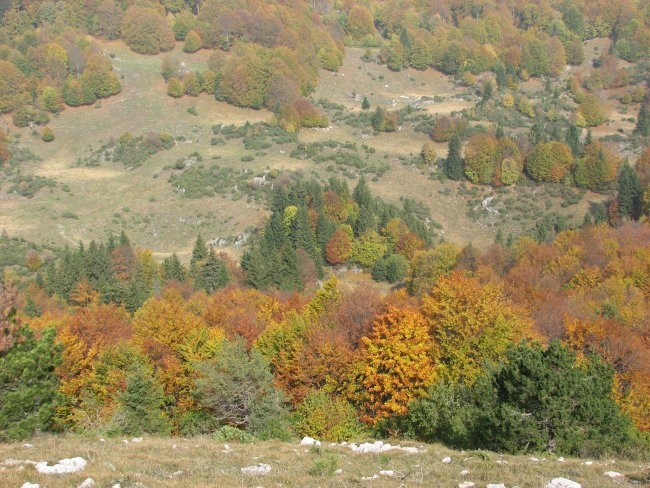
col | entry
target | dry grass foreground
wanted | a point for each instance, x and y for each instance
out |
(204, 462)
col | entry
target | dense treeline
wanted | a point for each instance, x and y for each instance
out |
(440, 363)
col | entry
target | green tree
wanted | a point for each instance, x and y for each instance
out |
(630, 192)
(29, 387)
(396, 54)
(543, 399)
(453, 165)
(365, 104)
(642, 126)
(172, 269)
(549, 161)
(146, 31)
(141, 405)
(573, 140)
(214, 274)
(237, 389)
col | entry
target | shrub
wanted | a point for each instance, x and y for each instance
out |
(29, 388)
(233, 434)
(237, 389)
(47, 135)
(549, 161)
(175, 88)
(192, 42)
(323, 417)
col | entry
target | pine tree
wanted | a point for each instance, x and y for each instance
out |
(643, 121)
(453, 165)
(365, 104)
(573, 140)
(29, 387)
(141, 406)
(361, 194)
(214, 274)
(172, 269)
(630, 192)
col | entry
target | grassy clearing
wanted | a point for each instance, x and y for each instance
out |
(204, 462)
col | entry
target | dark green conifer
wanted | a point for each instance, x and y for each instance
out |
(453, 165)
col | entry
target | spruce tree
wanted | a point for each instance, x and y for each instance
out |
(643, 121)
(365, 104)
(573, 140)
(141, 406)
(630, 192)
(214, 274)
(172, 269)
(453, 165)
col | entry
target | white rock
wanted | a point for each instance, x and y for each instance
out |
(102, 440)
(27, 484)
(446, 460)
(466, 484)
(261, 468)
(177, 473)
(410, 450)
(368, 478)
(560, 459)
(136, 439)
(562, 483)
(124, 441)
(28, 445)
(534, 459)
(588, 463)
(71, 465)
(496, 485)
(309, 441)
(339, 471)
(464, 472)
(612, 474)
(116, 485)
(87, 483)
(387, 472)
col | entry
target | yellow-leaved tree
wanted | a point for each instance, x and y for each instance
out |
(395, 364)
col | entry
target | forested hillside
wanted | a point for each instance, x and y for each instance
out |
(263, 219)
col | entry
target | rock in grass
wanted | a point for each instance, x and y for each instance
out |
(261, 468)
(27, 484)
(309, 441)
(64, 466)
(87, 483)
(612, 474)
(562, 483)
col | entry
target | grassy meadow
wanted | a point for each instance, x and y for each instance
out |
(204, 462)
(88, 202)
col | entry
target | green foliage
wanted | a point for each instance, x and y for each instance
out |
(27, 115)
(29, 386)
(184, 22)
(325, 464)
(175, 88)
(367, 249)
(237, 389)
(592, 111)
(545, 400)
(322, 416)
(391, 269)
(598, 168)
(642, 126)
(453, 165)
(630, 193)
(133, 151)
(365, 104)
(141, 406)
(384, 121)
(233, 434)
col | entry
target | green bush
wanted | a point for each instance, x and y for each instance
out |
(323, 417)
(233, 434)
(237, 389)
(29, 387)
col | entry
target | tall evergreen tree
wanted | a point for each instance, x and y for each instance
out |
(453, 165)
(214, 274)
(630, 192)
(573, 140)
(361, 194)
(172, 269)
(643, 120)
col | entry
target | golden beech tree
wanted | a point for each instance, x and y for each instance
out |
(471, 324)
(395, 364)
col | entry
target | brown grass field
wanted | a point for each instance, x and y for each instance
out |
(203, 462)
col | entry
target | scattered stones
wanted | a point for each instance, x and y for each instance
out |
(464, 472)
(613, 474)
(87, 483)
(446, 460)
(387, 472)
(466, 484)
(309, 441)
(64, 466)
(17, 462)
(380, 446)
(261, 468)
(562, 483)
(369, 478)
